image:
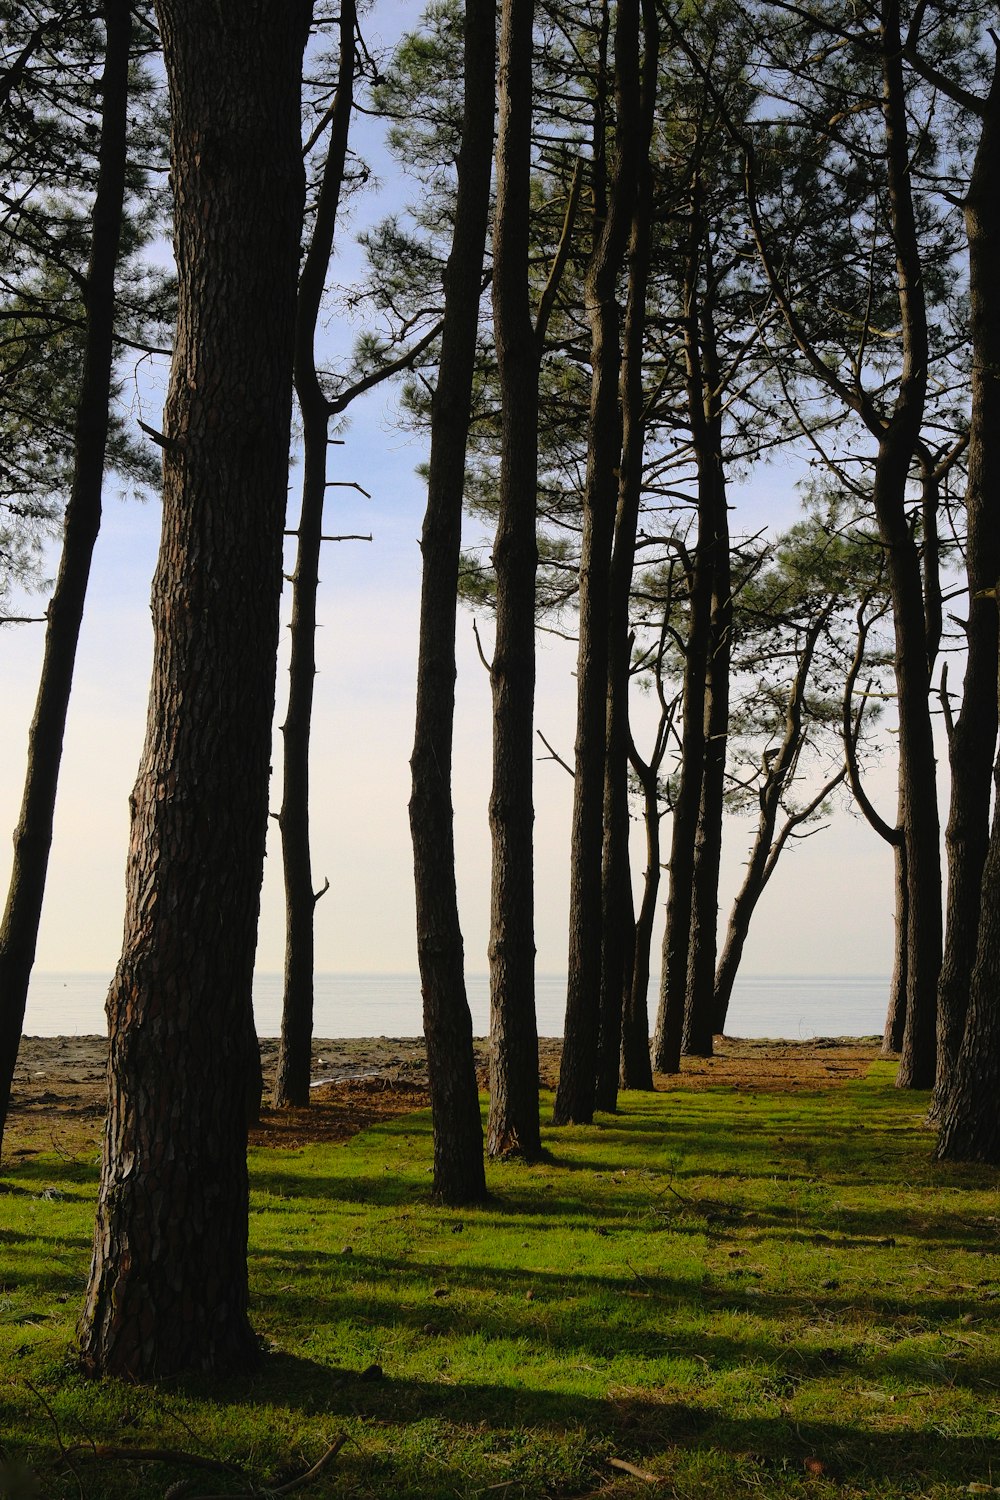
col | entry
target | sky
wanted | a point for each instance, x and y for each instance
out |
(828, 909)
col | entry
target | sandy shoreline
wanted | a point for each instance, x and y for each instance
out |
(81, 1060)
(59, 1094)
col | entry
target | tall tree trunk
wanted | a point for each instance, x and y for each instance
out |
(699, 1004)
(168, 1281)
(706, 442)
(33, 834)
(575, 1096)
(893, 834)
(687, 802)
(970, 1120)
(292, 1077)
(636, 1069)
(897, 447)
(459, 1175)
(972, 742)
(618, 918)
(513, 1125)
(895, 1019)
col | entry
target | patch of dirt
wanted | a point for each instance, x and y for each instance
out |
(58, 1096)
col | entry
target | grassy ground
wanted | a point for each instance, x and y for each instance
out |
(733, 1293)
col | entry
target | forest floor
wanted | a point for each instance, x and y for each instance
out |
(755, 1282)
(59, 1089)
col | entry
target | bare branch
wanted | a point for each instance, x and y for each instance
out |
(348, 484)
(479, 648)
(551, 289)
(554, 755)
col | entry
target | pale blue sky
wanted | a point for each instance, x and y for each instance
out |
(829, 909)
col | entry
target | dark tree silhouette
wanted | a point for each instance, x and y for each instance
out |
(459, 1175)
(168, 1281)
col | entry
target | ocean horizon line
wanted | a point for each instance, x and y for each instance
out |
(363, 1003)
(871, 976)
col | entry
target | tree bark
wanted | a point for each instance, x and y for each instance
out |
(699, 1000)
(617, 911)
(513, 1124)
(706, 441)
(636, 1068)
(168, 1282)
(973, 739)
(33, 834)
(897, 447)
(970, 1120)
(293, 1074)
(576, 1094)
(895, 1020)
(459, 1175)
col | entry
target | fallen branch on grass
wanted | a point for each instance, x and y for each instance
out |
(627, 1468)
(282, 1489)
(153, 1456)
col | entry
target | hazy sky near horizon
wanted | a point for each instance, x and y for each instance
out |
(828, 909)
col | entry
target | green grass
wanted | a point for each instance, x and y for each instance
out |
(770, 1295)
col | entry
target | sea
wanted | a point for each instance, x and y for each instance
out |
(795, 1006)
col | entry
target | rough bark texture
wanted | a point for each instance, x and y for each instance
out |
(970, 1120)
(33, 834)
(972, 742)
(513, 1125)
(895, 1019)
(168, 1282)
(291, 1082)
(575, 1096)
(687, 803)
(617, 912)
(459, 1175)
(677, 934)
(636, 1067)
(699, 1004)
(917, 764)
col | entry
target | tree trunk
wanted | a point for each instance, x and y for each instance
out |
(636, 1068)
(576, 1094)
(897, 447)
(706, 442)
(168, 1281)
(895, 1020)
(972, 742)
(699, 1004)
(970, 1120)
(459, 1175)
(687, 802)
(293, 1074)
(617, 913)
(33, 834)
(513, 1125)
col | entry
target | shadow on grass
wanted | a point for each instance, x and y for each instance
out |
(643, 1198)
(19, 1178)
(594, 1316)
(638, 1422)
